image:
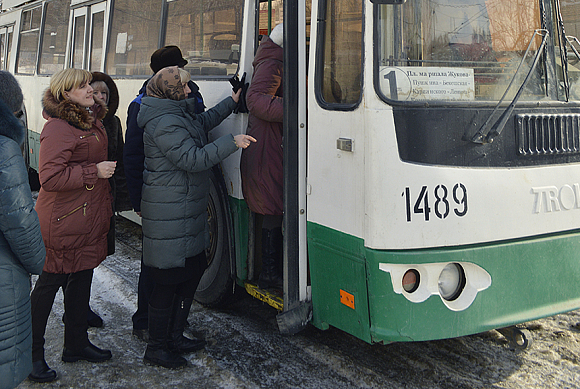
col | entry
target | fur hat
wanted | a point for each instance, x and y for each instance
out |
(277, 35)
(167, 56)
(10, 92)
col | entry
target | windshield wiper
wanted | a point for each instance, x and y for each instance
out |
(487, 133)
(570, 39)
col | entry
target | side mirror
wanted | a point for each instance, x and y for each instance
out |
(388, 1)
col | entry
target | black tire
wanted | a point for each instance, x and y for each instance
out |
(217, 285)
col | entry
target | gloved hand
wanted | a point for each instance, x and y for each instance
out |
(237, 84)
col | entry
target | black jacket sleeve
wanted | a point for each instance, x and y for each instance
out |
(134, 156)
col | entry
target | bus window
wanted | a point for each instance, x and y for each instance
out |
(208, 34)
(54, 37)
(96, 53)
(5, 46)
(2, 44)
(78, 41)
(134, 36)
(29, 34)
(340, 81)
(570, 11)
(458, 50)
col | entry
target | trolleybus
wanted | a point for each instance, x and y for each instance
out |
(431, 148)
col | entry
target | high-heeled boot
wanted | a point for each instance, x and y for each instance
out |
(177, 342)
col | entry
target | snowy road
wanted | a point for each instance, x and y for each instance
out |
(245, 350)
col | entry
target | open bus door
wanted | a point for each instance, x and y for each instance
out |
(297, 306)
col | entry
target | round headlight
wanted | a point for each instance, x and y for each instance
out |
(411, 280)
(451, 281)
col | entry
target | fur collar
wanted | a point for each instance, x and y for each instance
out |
(68, 111)
(10, 126)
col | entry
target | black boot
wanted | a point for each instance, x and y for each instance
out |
(41, 372)
(176, 341)
(93, 319)
(157, 352)
(90, 353)
(270, 276)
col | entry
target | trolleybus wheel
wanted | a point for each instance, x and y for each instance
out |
(216, 286)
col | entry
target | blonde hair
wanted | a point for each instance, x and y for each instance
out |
(68, 79)
(184, 75)
(102, 86)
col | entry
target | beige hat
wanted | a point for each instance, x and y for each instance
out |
(277, 35)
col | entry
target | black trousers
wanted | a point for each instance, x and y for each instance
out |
(144, 290)
(164, 289)
(77, 291)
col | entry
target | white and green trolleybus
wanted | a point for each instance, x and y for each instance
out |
(431, 148)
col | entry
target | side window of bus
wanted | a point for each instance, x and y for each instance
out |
(5, 46)
(134, 36)
(209, 36)
(54, 36)
(341, 48)
(29, 34)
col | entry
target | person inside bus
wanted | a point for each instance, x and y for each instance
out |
(21, 249)
(261, 165)
(105, 89)
(174, 202)
(134, 159)
(74, 209)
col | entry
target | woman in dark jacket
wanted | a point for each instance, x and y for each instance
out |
(105, 90)
(262, 166)
(174, 205)
(21, 248)
(74, 208)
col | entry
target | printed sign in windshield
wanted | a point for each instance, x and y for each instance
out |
(408, 83)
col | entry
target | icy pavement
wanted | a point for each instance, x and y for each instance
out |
(114, 298)
(245, 349)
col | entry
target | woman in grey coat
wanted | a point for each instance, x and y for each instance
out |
(174, 205)
(21, 248)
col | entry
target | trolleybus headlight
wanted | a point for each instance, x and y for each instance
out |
(451, 281)
(411, 280)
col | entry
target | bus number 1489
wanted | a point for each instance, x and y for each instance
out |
(442, 203)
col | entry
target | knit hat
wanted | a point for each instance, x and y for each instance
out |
(167, 56)
(10, 92)
(277, 35)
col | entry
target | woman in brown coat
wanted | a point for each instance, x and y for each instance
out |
(261, 166)
(74, 208)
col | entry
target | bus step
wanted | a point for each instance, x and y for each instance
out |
(266, 296)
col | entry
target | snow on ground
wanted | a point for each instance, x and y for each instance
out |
(245, 350)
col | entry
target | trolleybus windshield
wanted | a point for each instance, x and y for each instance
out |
(458, 50)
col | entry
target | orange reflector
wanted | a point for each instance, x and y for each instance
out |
(347, 299)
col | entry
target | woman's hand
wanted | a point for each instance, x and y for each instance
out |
(236, 95)
(106, 169)
(243, 141)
